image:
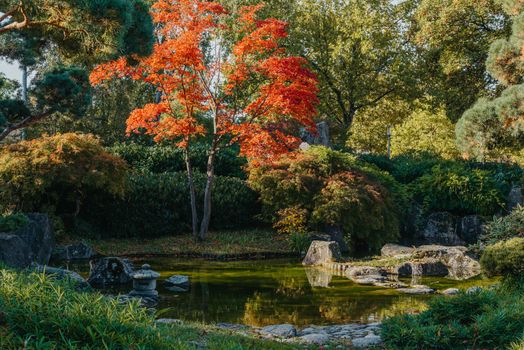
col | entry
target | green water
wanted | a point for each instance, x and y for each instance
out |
(259, 293)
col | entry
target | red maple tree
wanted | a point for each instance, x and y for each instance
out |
(220, 75)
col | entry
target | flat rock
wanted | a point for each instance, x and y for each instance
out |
(367, 341)
(168, 321)
(451, 291)
(391, 250)
(59, 273)
(417, 290)
(279, 330)
(315, 338)
(178, 280)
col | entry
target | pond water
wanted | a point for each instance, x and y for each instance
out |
(263, 292)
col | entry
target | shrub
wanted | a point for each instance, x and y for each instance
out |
(55, 173)
(487, 319)
(460, 190)
(505, 258)
(12, 222)
(505, 227)
(291, 221)
(165, 158)
(158, 204)
(335, 188)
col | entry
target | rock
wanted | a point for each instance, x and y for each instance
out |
(367, 341)
(473, 290)
(429, 267)
(364, 271)
(391, 250)
(440, 228)
(168, 321)
(110, 271)
(178, 280)
(279, 330)
(471, 228)
(34, 244)
(461, 266)
(320, 252)
(315, 338)
(75, 251)
(369, 280)
(14, 251)
(63, 274)
(451, 291)
(515, 197)
(321, 137)
(233, 326)
(318, 277)
(417, 290)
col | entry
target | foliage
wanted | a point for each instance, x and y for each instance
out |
(299, 242)
(154, 205)
(94, 29)
(64, 318)
(486, 319)
(504, 258)
(12, 222)
(452, 40)
(55, 173)
(261, 92)
(336, 189)
(291, 221)
(504, 227)
(425, 132)
(166, 158)
(492, 129)
(358, 52)
(459, 189)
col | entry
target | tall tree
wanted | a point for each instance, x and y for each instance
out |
(223, 76)
(452, 38)
(493, 129)
(357, 49)
(81, 33)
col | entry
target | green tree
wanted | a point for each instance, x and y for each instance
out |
(425, 131)
(452, 38)
(493, 128)
(357, 50)
(80, 33)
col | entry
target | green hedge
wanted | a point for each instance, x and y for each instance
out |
(489, 319)
(166, 158)
(505, 258)
(158, 204)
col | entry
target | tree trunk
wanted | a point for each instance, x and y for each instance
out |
(210, 171)
(23, 68)
(190, 179)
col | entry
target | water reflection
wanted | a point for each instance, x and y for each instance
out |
(277, 291)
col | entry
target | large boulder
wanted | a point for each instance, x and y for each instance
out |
(14, 251)
(471, 228)
(110, 271)
(456, 259)
(440, 228)
(75, 251)
(59, 273)
(33, 242)
(321, 252)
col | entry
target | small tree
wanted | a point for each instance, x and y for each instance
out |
(223, 76)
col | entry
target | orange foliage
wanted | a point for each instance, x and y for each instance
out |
(250, 89)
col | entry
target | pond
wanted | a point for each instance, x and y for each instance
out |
(263, 292)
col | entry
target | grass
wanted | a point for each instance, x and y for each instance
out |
(218, 244)
(38, 312)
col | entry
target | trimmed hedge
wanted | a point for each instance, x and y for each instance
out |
(505, 258)
(158, 204)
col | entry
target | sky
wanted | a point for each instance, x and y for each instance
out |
(11, 71)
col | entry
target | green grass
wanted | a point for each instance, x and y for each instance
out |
(217, 244)
(38, 312)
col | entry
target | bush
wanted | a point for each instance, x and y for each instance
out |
(460, 190)
(12, 222)
(336, 189)
(504, 227)
(487, 319)
(165, 158)
(505, 258)
(158, 204)
(54, 174)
